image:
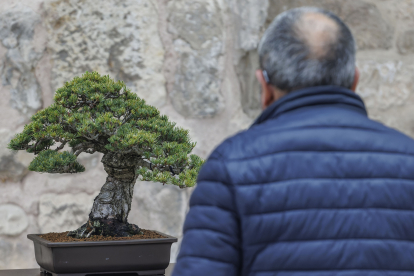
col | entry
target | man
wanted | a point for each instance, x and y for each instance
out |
(314, 187)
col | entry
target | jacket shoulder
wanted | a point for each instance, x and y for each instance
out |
(313, 134)
(226, 149)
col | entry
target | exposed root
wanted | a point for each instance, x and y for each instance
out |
(90, 233)
(108, 227)
(83, 233)
(78, 233)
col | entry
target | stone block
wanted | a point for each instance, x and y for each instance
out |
(13, 220)
(387, 88)
(405, 43)
(249, 18)
(17, 35)
(160, 207)
(13, 167)
(119, 38)
(249, 85)
(384, 85)
(198, 39)
(66, 212)
(90, 161)
(369, 27)
(6, 253)
(403, 11)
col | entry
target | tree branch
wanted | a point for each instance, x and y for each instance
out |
(61, 145)
(147, 164)
(93, 138)
(84, 147)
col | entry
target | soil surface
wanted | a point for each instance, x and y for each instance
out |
(62, 237)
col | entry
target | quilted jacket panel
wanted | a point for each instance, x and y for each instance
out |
(314, 187)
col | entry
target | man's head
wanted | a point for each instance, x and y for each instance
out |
(306, 47)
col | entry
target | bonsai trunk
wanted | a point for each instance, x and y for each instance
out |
(109, 214)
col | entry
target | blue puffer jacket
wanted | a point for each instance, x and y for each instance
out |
(314, 187)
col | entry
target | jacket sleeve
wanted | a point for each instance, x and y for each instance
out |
(211, 242)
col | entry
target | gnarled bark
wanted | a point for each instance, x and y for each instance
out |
(109, 214)
(114, 200)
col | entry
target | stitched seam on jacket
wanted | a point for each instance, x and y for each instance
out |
(321, 178)
(286, 129)
(322, 127)
(332, 209)
(287, 181)
(239, 267)
(320, 152)
(214, 206)
(213, 181)
(215, 231)
(268, 243)
(229, 185)
(333, 269)
(208, 258)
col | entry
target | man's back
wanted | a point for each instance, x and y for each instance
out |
(313, 188)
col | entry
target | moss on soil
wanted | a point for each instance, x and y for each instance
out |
(62, 237)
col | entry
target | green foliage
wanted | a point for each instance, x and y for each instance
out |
(93, 113)
(186, 178)
(51, 161)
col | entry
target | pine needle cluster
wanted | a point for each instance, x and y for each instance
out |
(93, 113)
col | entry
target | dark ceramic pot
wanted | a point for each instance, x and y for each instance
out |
(143, 257)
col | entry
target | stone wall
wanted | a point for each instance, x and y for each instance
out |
(193, 59)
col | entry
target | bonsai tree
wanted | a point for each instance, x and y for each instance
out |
(94, 113)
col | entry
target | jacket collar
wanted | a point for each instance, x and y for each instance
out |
(313, 96)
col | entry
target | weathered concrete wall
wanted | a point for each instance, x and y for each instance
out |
(193, 59)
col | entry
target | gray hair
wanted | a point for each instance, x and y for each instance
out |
(294, 58)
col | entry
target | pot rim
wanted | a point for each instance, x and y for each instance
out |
(36, 238)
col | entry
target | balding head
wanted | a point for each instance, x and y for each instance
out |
(318, 32)
(307, 47)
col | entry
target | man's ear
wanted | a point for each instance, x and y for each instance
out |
(356, 80)
(267, 97)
